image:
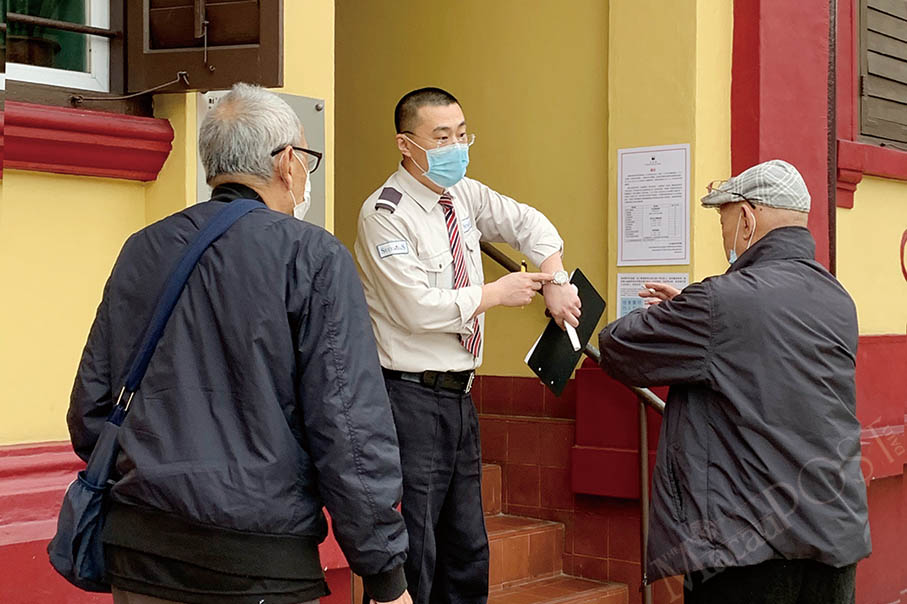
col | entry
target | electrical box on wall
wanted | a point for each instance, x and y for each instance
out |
(311, 114)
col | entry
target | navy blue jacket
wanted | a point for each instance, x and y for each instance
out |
(263, 402)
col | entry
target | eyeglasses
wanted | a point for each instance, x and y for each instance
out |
(716, 185)
(312, 158)
(442, 141)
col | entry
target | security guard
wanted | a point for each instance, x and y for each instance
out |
(418, 250)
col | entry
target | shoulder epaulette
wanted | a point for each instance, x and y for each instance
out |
(388, 199)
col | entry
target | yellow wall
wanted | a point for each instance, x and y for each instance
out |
(712, 153)
(669, 78)
(532, 80)
(59, 236)
(652, 95)
(175, 187)
(309, 70)
(869, 239)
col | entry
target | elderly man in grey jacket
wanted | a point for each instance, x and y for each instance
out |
(758, 496)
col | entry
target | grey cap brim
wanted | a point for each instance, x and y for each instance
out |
(718, 198)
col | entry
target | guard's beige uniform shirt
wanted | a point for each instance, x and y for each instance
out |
(407, 268)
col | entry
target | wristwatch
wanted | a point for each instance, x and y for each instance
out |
(560, 278)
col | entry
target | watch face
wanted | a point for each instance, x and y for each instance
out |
(560, 277)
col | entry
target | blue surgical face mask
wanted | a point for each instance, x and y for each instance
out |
(446, 165)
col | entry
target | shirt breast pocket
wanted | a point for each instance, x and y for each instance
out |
(473, 240)
(439, 269)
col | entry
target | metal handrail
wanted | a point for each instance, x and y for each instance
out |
(646, 398)
(643, 423)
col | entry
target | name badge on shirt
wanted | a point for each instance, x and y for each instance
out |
(393, 248)
(467, 224)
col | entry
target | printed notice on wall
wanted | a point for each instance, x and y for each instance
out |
(653, 205)
(630, 284)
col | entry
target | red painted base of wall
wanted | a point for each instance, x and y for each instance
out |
(605, 457)
(526, 396)
(340, 582)
(33, 479)
(882, 578)
(538, 455)
(27, 578)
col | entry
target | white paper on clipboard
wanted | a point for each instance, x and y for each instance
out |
(531, 350)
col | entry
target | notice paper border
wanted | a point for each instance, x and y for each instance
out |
(653, 258)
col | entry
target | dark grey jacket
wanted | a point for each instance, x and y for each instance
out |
(263, 402)
(759, 453)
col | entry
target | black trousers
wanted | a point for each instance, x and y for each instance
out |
(772, 582)
(440, 454)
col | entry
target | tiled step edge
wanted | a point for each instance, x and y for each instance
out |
(562, 589)
(523, 549)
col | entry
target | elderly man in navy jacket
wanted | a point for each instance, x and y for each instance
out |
(758, 495)
(264, 400)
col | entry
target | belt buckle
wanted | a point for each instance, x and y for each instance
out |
(472, 377)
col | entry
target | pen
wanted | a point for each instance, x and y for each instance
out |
(523, 268)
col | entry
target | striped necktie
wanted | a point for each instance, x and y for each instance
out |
(472, 343)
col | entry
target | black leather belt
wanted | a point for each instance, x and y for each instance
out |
(455, 381)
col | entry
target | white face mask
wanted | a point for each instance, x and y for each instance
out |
(300, 209)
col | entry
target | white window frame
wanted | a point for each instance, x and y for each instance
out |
(97, 78)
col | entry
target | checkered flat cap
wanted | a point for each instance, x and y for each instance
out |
(774, 183)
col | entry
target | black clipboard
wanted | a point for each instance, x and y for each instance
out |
(553, 358)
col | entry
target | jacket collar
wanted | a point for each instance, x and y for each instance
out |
(231, 191)
(425, 197)
(785, 243)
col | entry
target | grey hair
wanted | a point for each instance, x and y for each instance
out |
(239, 134)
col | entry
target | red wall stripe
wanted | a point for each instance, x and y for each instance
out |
(779, 100)
(89, 143)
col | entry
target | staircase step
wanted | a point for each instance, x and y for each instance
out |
(492, 489)
(562, 590)
(523, 549)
